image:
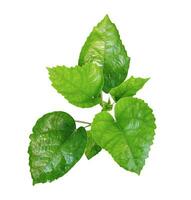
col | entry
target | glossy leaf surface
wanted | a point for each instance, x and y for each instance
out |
(127, 137)
(104, 48)
(128, 88)
(55, 146)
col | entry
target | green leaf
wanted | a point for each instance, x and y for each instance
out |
(129, 136)
(128, 88)
(104, 47)
(106, 106)
(81, 86)
(55, 146)
(91, 148)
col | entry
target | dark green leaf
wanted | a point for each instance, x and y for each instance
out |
(91, 148)
(104, 48)
(55, 146)
(81, 86)
(129, 136)
(128, 88)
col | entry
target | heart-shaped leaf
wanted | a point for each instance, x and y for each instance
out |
(129, 136)
(104, 48)
(128, 88)
(55, 146)
(81, 86)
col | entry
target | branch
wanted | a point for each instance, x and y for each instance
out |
(82, 122)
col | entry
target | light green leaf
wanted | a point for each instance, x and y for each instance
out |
(81, 86)
(127, 137)
(55, 146)
(92, 148)
(128, 88)
(104, 47)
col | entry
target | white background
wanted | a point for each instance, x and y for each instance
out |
(36, 34)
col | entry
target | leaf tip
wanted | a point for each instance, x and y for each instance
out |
(138, 172)
(34, 183)
(106, 18)
(147, 79)
(49, 69)
(88, 157)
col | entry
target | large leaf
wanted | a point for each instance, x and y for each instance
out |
(128, 88)
(81, 86)
(92, 148)
(55, 146)
(104, 47)
(127, 137)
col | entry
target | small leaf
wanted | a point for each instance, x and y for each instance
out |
(81, 86)
(106, 106)
(129, 136)
(55, 146)
(128, 88)
(91, 148)
(104, 48)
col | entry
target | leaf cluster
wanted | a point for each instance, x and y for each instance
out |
(56, 145)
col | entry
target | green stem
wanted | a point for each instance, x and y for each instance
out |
(83, 122)
(87, 126)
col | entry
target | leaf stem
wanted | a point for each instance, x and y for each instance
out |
(87, 125)
(83, 122)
